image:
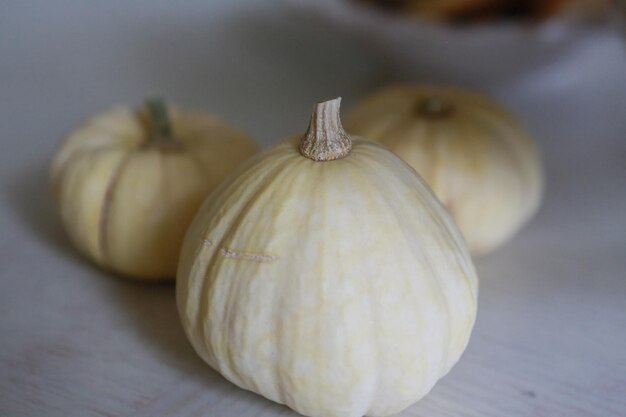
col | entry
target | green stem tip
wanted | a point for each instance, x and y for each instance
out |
(159, 119)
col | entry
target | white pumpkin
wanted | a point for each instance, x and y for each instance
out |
(326, 276)
(478, 159)
(128, 183)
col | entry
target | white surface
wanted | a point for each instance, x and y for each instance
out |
(550, 339)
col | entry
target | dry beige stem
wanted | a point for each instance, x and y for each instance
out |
(325, 140)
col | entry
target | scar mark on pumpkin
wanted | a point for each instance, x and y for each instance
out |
(207, 242)
(257, 257)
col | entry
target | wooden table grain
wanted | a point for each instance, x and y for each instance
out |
(550, 339)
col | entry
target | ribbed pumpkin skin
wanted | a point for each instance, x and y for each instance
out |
(478, 159)
(338, 288)
(126, 202)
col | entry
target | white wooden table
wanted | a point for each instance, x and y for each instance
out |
(550, 339)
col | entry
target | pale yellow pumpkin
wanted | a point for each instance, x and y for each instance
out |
(478, 159)
(326, 276)
(128, 183)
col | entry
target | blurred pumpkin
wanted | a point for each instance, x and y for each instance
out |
(129, 181)
(477, 158)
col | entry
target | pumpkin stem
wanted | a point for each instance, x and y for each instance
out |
(158, 120)
(325, 140)
(434, 107)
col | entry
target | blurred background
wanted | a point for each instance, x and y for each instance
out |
(261, 65)
(256, 63)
